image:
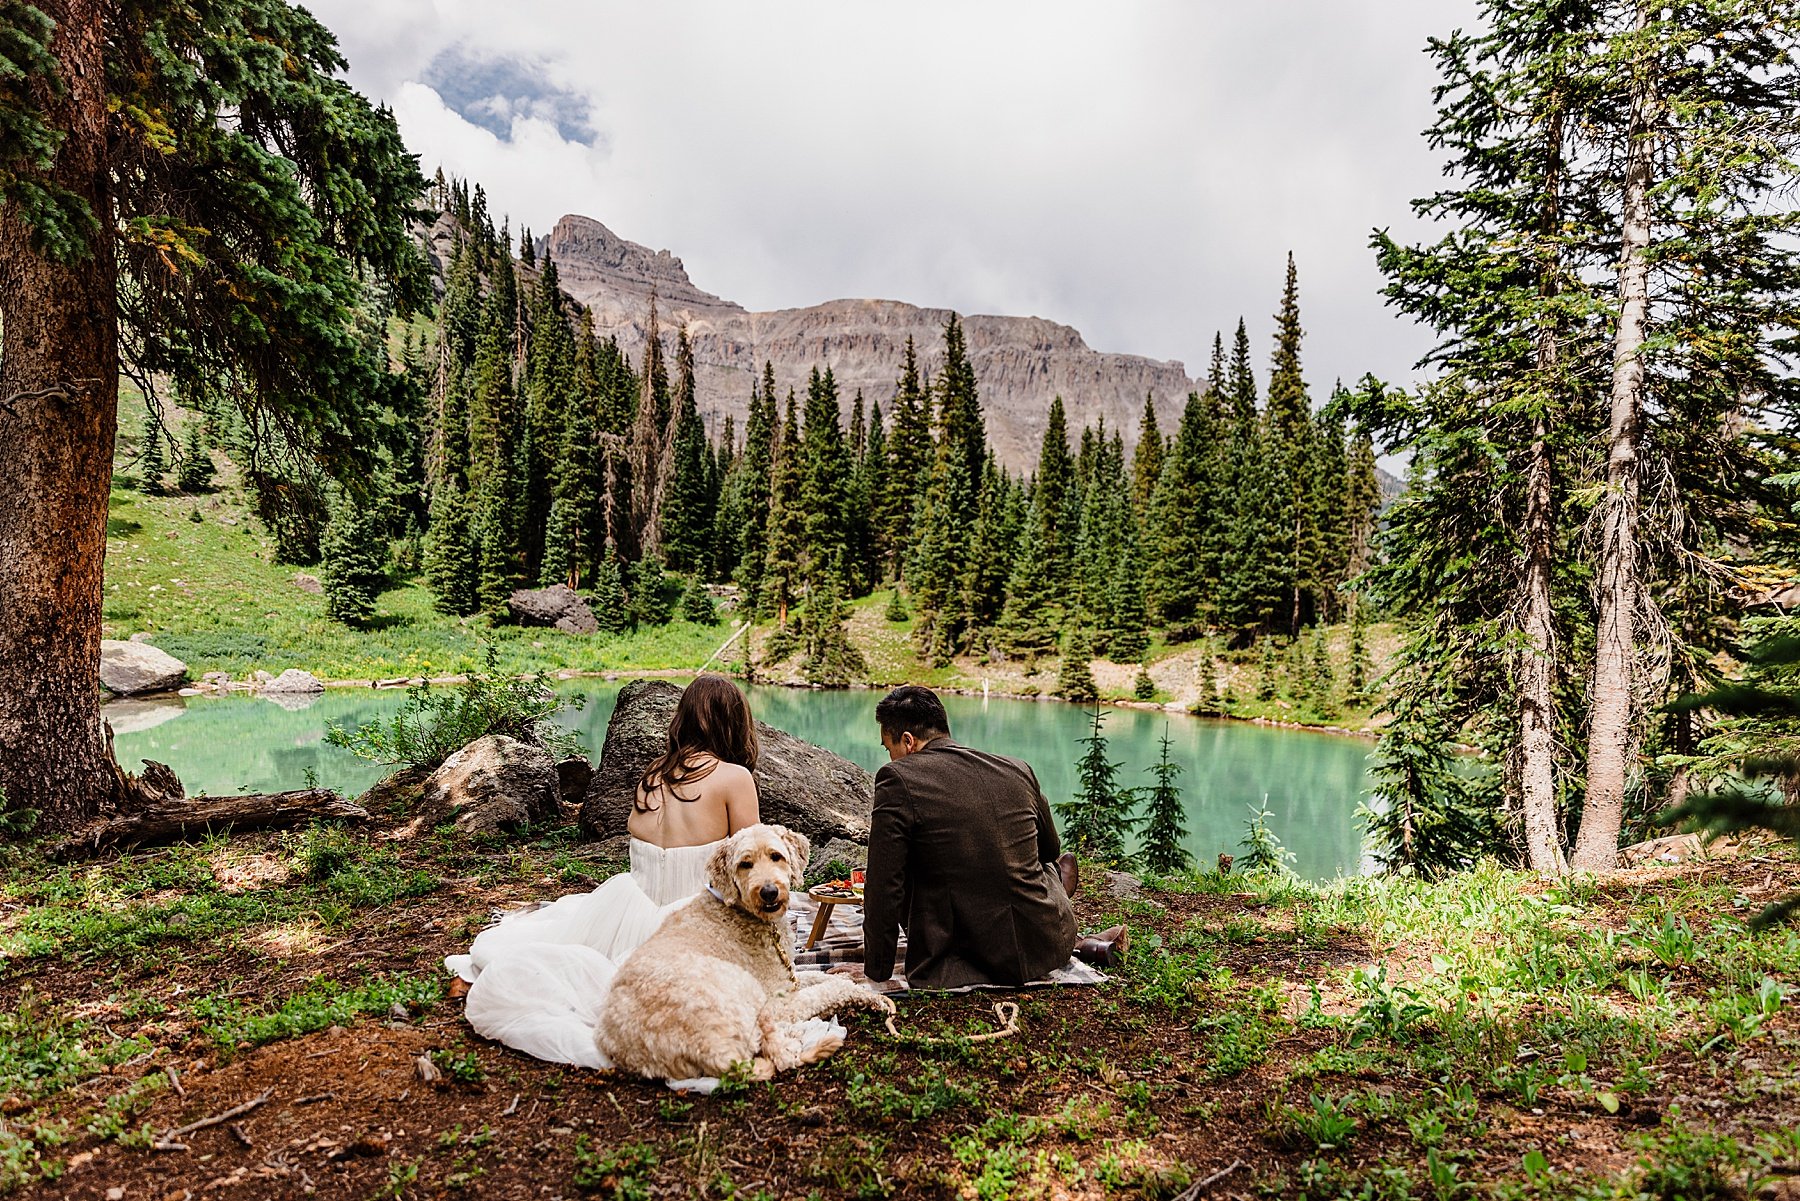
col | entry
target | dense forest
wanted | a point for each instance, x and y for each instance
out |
(524, 451)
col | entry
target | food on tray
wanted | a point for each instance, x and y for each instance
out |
(845, 889)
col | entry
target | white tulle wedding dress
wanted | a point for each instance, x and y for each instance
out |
(538, 979)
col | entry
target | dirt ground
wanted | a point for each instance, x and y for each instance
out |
(1116, 1090)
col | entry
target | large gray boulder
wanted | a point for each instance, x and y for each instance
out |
(294, 680)
(558, 605)
(494, 783)
(130, 668)
(800, 786)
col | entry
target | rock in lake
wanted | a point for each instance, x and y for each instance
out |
(294, 680)
(558, 605)
(494, 783)
(130, 668)
(801, 786)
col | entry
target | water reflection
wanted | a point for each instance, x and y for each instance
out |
(1312, 782)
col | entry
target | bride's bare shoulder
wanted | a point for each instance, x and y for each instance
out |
(734, 775)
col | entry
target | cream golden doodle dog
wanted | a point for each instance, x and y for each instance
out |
(715, 985)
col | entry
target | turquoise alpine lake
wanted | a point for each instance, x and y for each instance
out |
(1312, 783)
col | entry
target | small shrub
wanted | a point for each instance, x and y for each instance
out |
(1263, 850)
(435, 723)
(622, 1172)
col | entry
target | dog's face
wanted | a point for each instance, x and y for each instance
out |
(758, 867)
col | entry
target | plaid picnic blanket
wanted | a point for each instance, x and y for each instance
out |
(841, 947)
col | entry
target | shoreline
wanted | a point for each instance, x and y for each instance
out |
(401, 682)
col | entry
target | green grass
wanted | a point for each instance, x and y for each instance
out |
(210, 593)
(232, 1024)
(137, 905)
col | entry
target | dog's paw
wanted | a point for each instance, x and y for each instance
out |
(879, 1003)
(826, 1047)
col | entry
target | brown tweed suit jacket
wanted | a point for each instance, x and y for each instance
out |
(962, 853)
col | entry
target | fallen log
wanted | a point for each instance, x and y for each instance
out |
(169, 818)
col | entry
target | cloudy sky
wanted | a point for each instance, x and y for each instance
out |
(1138, 170)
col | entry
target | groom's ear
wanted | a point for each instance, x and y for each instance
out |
(799, 849)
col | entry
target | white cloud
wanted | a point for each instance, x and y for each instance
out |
(1138, 171)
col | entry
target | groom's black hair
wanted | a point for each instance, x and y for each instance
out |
(912, 709)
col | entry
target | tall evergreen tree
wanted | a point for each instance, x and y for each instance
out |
(825, 470)
(754, 475)
(195, 471)
(1289, 442)
(1183, 516)
(353, 562)
(452, 570)
(1700, 131)
(152, 462)
(1147, 462)
(686, 511)
(1165, 818)
(962, 430)
(647, 430)
(909, 448)
(1097, 819)
(782, 560)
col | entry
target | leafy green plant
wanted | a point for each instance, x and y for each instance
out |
(621, 1172)
(322, 1003)
(436, 723)
(463, 1069)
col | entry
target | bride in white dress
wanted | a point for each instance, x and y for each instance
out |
(539, 978)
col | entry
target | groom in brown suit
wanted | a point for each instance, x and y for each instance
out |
(963, 854)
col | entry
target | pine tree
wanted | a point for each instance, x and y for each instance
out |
(831, 659)
(1075, 678)
(754, 473)
(1165, 818)
(1181, 529)
(1322, 686)
(1265, 669)
(1098, 818)
(685, 512)
(934, 566)
(869, 492)
(1358, 668)
(697, 604)
(962, 431)
(1147, 463)
(825, 470)
(1288, 421)
(353, 563)
(909, 465)
(194, 473)
(1424, 820)
(647, 439)
(1143, 687)
(786, 526)
(151, 461)
(452, 571)
(612, 609)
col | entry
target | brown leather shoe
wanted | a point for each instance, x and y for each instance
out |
(1104, 949)
(1067, 868)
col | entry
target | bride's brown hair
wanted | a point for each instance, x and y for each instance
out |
(713, 718)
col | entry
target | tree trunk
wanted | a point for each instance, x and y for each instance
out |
(1610, 740)
(1537, 658)
(58, 410)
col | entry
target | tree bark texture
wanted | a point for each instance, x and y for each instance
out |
(181, 817)
(1536, 667)
(58, 412)
(1610, 728)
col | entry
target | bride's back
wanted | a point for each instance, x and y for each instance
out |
(700, 789)
(695, 811)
